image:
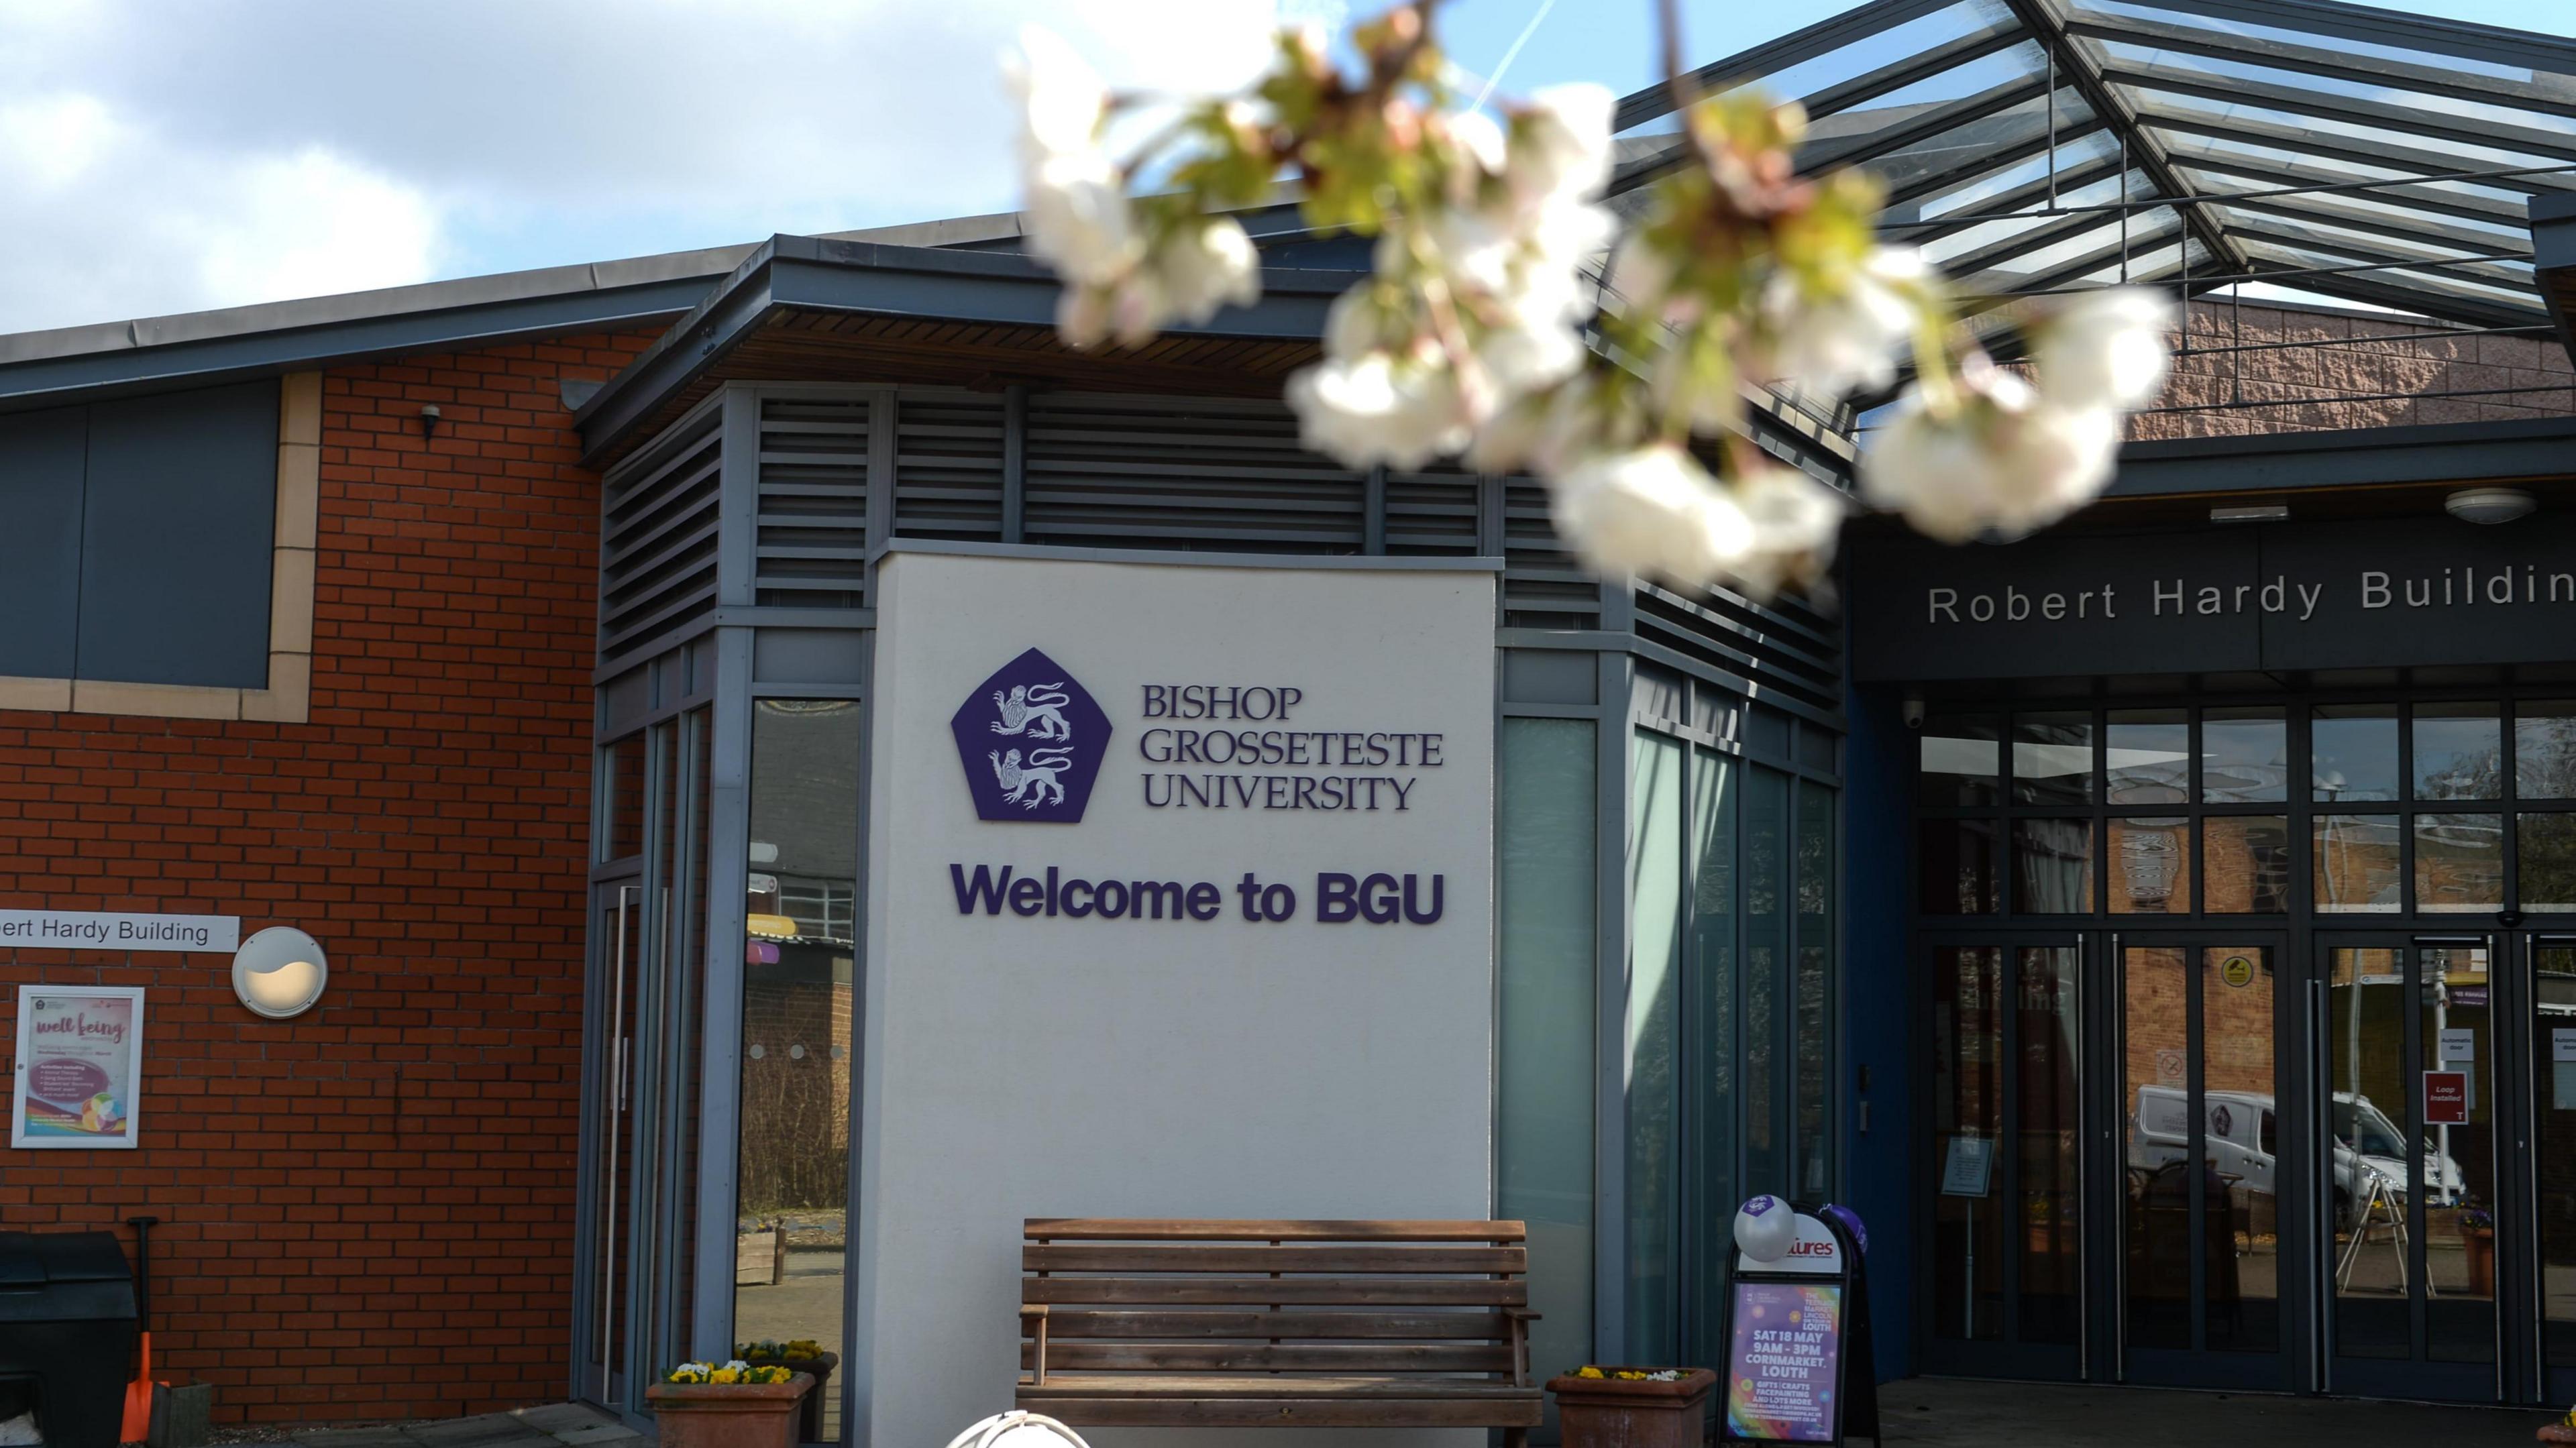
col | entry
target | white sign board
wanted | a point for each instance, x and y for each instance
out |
(1179, 905)
(2458, 1045)
(1967, 1170)
(109, 930)
(79, 1066)
(1815, 1250)
(2562, 1044)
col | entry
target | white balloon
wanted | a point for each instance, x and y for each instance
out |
(1018, 1429)
(1766, 1228)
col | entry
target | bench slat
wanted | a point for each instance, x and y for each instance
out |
(1142, 1229)
(1227, 1258)
(1189, 1326)
(1284, 1412)
(1263, 1385)
(1269, 1357)
(1357, 1291)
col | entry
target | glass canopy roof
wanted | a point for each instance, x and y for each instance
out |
(2297, 150)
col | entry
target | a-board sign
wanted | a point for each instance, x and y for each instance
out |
(1798, 1362)
(2446, 1098)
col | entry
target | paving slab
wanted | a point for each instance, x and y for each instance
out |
(1961, 1413)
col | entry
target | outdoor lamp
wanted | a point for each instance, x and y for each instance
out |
(279, 972)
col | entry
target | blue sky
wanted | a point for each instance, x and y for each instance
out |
(159, 157)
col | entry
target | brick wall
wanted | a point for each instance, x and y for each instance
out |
(367, 1211)
(2306, 368)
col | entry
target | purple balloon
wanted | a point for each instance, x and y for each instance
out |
(1851, 1223)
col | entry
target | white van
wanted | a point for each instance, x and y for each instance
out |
(2243, 1143)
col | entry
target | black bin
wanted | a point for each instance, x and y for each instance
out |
(66, 1332)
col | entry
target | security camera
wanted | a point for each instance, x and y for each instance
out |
(1913, 712)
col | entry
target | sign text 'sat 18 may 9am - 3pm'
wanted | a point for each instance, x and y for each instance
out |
(1245, 748)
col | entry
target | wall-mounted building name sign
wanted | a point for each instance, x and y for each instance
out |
(2384, 593)
(108, 930)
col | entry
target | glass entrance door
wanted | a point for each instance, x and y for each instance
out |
(2203, 1156)
(2407, 1092)
(2550, 1007)
(617, 925)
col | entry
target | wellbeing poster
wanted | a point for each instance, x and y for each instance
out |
(1784, 1362)
(80, 1054)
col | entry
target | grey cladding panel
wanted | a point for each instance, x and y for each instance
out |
(1109, 471)
(41, 459)
(175, 537)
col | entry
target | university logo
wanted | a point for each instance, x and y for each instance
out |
(1031, 740)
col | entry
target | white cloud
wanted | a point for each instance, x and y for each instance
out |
(158, 157)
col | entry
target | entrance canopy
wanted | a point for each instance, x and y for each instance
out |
(2299, 150)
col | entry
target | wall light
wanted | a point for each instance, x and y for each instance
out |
(2489, 505)
(280, 972)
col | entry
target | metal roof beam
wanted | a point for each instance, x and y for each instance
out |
(2385, 286)
(1922, 126)
(1773, 57)
(2368, 25)
(2351, 110)
(2296, 140)
(2476, 269)
(2197, 156)
(1888, 79)
(2150, 256)
(2049, 25)
(2552, 94)
(2006, 205)
(2037, 238)
(2418, 230)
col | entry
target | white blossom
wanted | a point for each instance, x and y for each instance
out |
(1060, 95)
(1560, 148)
(1833, 344)
(1521, 358)
(2006, 460)
(1653, 510)
(1482, 140)
(2105, 349)
(1205, 267)
(1377, 408)
(1795, 523)
(1075, 209)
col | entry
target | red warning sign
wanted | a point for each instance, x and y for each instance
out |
(2446, 1098)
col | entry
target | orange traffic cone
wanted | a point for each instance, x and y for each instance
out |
(138, 1393)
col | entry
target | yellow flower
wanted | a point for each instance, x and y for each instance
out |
(1596, 1372)
(724, 1375)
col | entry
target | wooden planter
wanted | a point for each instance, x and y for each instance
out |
(1629, 1413)
(728, 1415)
(2478, 1245)
(810, 1419)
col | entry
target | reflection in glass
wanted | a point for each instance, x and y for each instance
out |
(2244, 756)
(2459, 1159)
(2146, 756)
(1962, 762)
(2052, 867)
(1544, 892)
(801, 928)
(2150, 867)
(2355, 864)
(1811, 1021)
(2459, 862)
(1957, 860)
(1766, 912)
(2544, 749)
(623, 835)
(2046, 1030)
(2459, 752)
(2245, 864)
(2367, 1068)
(1967, 1122)
(2052, 759)
(2241, 1144)
(2547, 867)
(2553, 1162)
(2353, 749)
(1654, 1023)
(2156, 1096)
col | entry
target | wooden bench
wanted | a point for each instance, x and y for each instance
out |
(1347, 1324)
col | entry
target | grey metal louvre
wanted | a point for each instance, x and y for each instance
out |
(1107, 470)
(947, 464)
(811, 530)
(1432, 512)
(658, 523)
(1543, 585)
(1781, 646)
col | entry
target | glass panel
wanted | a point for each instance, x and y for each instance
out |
(1544, 854)
(1811, 1003)
(2046, 1032)
(2052, 867)
(2244, 756)
(1766, 883)
(620, 944)
(2354, 752)
(2052, 759)
(624, 808)
(2459, 752)
(1654, 1004)
(1958, 864)
(2245, 864)
(2366, 1069)
(2150, 867)
(798, 980)
(2459, 1156)
(2547, 867)
(1962, 762)
(2147, 756)
(2553, 1039)
(1713, 1054)
(1967, 1121)
(2544, 749)
(2355, 865)
(2240, 1216)
(2459, 862)
(2156, 1089)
